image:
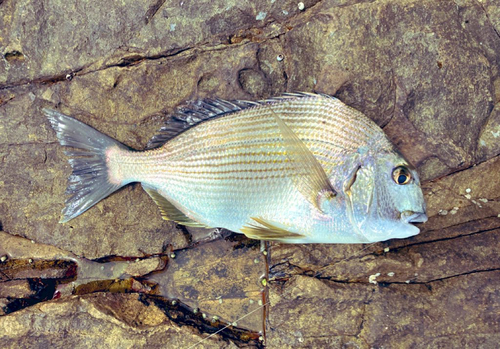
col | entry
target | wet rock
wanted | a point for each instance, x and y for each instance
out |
(80, 37)
(306, 307)
(144, 267)
(15, 289)
(253, 82)
(489, 141)
(95, 321)
(428, 72)
(174, 283)
(223, 279)
(15, 269)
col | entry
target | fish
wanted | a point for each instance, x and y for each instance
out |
(298, 168)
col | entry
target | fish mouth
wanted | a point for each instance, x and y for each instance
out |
(413, 217)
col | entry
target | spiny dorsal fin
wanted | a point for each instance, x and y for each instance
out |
(309, 177)
(169, 211)
(268, 231)
(196, 112)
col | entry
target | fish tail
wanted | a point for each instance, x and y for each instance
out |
(92, 179)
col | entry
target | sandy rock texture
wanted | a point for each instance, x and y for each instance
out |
(428, 72)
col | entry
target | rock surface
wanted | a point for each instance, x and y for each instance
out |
(427, 72)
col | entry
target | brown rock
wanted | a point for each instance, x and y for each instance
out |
(15, 289)
(489, 141)
(96, 321)
(426, 71)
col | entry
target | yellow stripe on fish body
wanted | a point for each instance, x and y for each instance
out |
(250, 166)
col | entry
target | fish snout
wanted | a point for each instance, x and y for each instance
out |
(414, 217)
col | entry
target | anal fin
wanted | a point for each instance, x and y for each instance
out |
(168, 211)
(268, 231)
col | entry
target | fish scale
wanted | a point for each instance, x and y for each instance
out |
(254, 120)
(242, 137)
(281, 169)
(208, 171)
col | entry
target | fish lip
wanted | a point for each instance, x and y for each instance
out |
(413, 217)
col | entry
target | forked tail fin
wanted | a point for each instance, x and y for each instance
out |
(90, 182)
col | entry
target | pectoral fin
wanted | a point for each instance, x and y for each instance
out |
(168, 210)
(266, 230)
(309, 177)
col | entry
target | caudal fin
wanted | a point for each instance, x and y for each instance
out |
(89, 183)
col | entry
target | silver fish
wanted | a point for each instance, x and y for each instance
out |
(300, 168)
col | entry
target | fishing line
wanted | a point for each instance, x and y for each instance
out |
(229, 325)
(265, 304)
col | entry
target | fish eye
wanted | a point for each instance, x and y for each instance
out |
(401, 175)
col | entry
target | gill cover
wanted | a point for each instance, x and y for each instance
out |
(359, 194)
(373, 203)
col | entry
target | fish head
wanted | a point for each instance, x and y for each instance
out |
(384, 198)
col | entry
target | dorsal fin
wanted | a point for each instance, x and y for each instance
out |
(168, 210)
(194, 113)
